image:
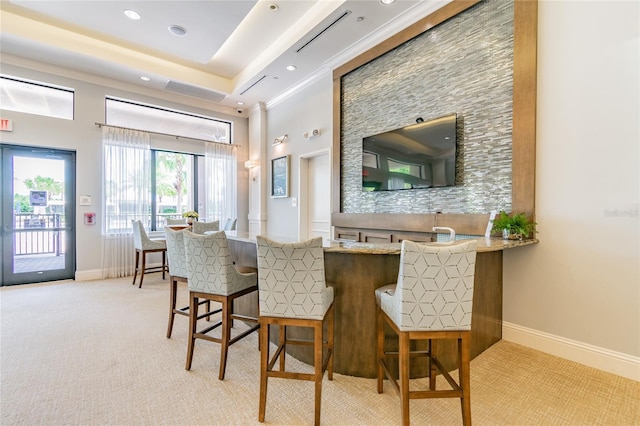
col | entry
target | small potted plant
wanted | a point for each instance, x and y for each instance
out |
(513, 227)
(191, 215)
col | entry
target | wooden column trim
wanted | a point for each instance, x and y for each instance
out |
(523, 163)
(336, 169)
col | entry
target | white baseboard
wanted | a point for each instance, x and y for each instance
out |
(593, 356)
(95, 274)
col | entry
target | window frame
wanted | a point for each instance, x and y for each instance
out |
(194, 188)
(178, 113)
(69, 113)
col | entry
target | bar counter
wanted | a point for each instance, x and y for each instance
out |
(355, 270)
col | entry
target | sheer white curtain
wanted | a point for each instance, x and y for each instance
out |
(221, 177)
(126, 183)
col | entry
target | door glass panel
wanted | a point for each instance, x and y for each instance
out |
(39, 217)
(38, 214)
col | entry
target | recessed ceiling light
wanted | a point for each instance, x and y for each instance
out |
(240, 103)
(291, 68)
(144, 78)
(387, 1)
(132, 14)
(177, 30)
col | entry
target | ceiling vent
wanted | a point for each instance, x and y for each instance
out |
(335, 21)
(194, 91)
(250, 87)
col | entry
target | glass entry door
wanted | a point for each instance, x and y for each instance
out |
(38, 214)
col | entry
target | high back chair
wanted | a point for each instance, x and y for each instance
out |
(177, 258)
(432, 300)
(211, 275)
(293, 292)
(176, 221)
(143, 246)
(202, 227)
(230, 225)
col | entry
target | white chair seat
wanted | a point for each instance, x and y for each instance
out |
(143, 245)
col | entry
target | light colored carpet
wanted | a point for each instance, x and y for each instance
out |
(95, 353)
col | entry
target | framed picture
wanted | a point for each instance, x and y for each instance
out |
(280, 177)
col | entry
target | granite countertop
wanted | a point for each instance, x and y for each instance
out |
(484, 244)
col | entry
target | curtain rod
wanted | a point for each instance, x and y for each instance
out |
(165, 134)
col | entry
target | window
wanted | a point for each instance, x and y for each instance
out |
(160, 120)
(36, 98)
(175, 190)
(176, 181)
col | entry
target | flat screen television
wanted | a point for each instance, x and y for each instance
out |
(421, 155)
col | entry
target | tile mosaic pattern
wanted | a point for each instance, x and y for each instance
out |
(434, 289)
(291, 281)
(464, 65)
(176, 255)
(210, 267)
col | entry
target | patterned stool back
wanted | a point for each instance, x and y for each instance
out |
(202, 227)
(175, 252)
(141, 240)
(291, 281)
(435, 287)
(210, 267)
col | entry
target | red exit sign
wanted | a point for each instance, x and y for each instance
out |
(6, 125)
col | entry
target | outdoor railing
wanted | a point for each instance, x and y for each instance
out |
(122, 222)
(38, 234)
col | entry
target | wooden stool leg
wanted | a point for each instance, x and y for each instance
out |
(173, 288)
(330, 327)
(319, 373)
(264, 361)
(164, 263)
(465, 377)
(404, 347)
(226, 335)
(380, 347)
(135, 271)
(144, 265)
(433, 347)
(193, 322)
(283, 339)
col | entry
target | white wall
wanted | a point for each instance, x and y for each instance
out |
(577, 293)
(582, 282)
(85, 138)
(309, 109)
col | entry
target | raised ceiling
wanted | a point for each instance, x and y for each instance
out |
(233, 51)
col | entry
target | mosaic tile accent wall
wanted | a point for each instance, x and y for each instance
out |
(464, 65)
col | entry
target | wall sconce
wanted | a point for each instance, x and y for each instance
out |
(250, 164)
(279, 140)
(313, 133)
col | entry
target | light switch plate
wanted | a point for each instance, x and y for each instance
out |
(294, 202)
